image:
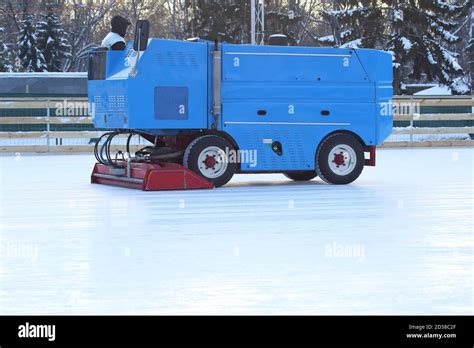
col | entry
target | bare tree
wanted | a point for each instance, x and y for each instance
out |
(178, 14)
(12, 13)
(153, 10)
(83, 20)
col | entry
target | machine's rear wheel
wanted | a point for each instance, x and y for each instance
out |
(209, 157)
(340, 159)
(301, 176)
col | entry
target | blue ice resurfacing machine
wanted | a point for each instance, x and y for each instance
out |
(210, 110)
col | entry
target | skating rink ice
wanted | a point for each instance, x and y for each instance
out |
(397, 241)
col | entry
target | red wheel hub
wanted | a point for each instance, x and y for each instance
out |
(338, 159)
(210, 162)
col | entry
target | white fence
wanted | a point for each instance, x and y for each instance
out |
(18, 134)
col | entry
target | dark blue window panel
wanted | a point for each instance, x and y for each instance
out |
(171, 103)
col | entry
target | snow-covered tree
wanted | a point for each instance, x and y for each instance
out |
(470, 50)
(52, 41)
(281, 20)
(360, 24)
(31, 58)
(227, 20)
(416, 32)
(5, 64)
(422, 42)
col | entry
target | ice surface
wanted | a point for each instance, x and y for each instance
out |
(397, 241)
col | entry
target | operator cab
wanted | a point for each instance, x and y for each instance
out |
(97, 68)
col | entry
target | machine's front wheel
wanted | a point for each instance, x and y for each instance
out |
(301, 176)
(340, 159)
(208, 156)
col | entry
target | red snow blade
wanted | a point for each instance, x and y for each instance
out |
(149, 177)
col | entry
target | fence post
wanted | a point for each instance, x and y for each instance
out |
(48, 127)
(412, 113)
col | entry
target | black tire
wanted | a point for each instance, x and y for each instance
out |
(301, 176)
(327, 170)
(221, 173)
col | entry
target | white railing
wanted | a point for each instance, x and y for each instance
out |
(407, 109)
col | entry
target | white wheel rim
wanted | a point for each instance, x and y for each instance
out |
(212, 168)
(342, 159)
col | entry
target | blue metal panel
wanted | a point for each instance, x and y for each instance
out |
(109, 103)
(296, 96)
(171, 103)
(286, 64)
(171, 64)
(377, 64)
(384, 112)
(165, 63)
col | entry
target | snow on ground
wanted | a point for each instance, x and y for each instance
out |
(427, 137)
(435, 90)
(397, 241)
(4, 75)
(460, 85)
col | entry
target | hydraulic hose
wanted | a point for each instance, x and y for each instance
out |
(102, 149)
